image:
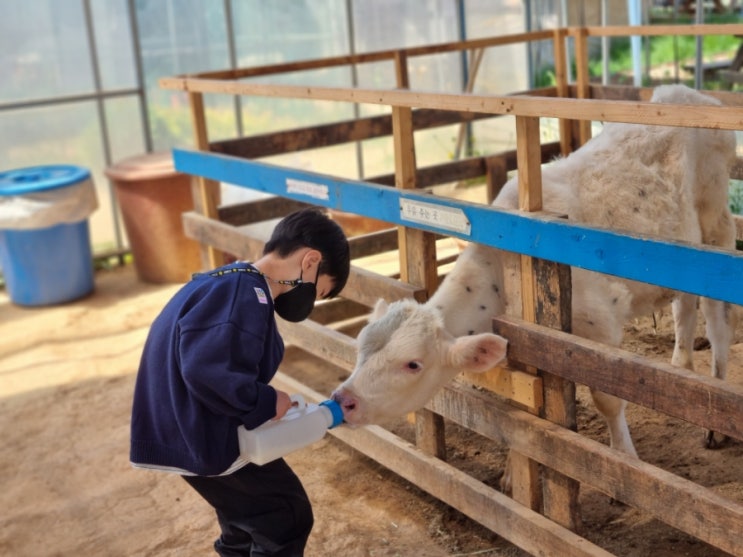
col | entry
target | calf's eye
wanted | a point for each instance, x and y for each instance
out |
(413, 366)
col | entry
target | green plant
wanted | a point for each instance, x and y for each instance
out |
(736, 197)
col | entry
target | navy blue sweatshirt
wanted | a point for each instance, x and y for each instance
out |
(204, 371)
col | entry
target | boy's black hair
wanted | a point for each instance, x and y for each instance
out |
(314, 229)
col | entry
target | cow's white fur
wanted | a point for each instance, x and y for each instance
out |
(664, 181)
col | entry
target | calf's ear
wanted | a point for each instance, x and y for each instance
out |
(380, 308)
(478, 353)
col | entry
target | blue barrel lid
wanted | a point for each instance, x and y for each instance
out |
(40, 178)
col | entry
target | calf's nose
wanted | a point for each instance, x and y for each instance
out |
(347, 402)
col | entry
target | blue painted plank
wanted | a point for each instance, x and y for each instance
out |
(708, 272)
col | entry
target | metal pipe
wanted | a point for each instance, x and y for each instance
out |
(354, 83)
(100, 108)
(232, 49)
(143, 103)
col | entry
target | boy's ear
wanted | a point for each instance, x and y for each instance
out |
(312, 257)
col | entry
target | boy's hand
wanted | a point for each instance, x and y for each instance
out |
(283, 403)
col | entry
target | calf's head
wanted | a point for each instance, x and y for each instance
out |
(404, 356)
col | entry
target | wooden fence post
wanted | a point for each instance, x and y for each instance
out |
(417, 248)
(546, 299)
(563, 88)
(553, 309)
(583, 79)
(205, 192)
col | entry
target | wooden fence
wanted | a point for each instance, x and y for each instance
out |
(542, 517)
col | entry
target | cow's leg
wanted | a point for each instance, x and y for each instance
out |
(720, 328)
(719, 318)
(612, 408)
(685, 322)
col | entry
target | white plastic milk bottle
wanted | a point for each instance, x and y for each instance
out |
(302, 425)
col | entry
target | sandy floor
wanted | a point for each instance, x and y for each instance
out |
(66, 377)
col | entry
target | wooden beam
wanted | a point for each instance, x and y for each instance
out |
(258, 210)
(366, 287)
(525, 471)
(656, 261)
(661, 114)
(367, 57)
(524, 528)
(205, 192)
(466, 168)
(562, 88)
(513, 384)
(221, 236)
(678, 502)
(708, 402)
(329, 345)
(326, 135)
(583, 82)
(553, 309)
(738, 220)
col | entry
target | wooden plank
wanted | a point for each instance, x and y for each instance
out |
(583, 82)
(177, 82)
(221, 236)
(258, 210)
(585, 109)
(513, 384)
(530, 198)
(669, 30)
(329, 312)
(553, 309)
(497, 176)
(329, 345)
(529, 158)
(736, 173)
(562, 88)
(708, 402)
(442, 173)
(691, 508)
(366, 287)
(709, 68)
(361, 58)
(524, 528)
(465, 169)
(325, 135)
(731, 76)
(525, 476)
(707, 271)
(205, 192)
(373, 243)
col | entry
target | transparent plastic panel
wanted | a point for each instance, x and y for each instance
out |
(113, 38)
(44, 49)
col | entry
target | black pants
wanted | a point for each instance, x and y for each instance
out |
(262, 510)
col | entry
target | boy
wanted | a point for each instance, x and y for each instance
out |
(205, 370)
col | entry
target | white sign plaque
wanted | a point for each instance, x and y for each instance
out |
(310, 189)
(433, 214)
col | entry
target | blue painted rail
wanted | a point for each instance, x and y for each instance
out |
(708, 272)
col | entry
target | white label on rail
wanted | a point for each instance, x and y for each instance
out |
(310, 189)
(432, 214)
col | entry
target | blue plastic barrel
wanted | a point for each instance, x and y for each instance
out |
(45, 250)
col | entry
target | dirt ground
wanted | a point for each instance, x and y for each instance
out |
(66, 379)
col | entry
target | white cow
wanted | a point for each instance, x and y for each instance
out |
(665, 181)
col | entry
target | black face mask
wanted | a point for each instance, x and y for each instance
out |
(296, 304)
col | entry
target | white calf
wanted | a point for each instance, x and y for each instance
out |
(663, 181)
